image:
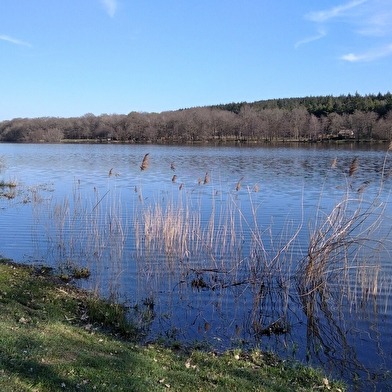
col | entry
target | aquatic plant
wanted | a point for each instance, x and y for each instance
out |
(346, 243)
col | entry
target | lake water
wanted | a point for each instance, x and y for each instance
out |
(217, 256)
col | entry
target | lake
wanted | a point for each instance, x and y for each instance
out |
(282, 247)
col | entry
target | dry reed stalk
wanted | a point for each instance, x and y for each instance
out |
(344, 241)
(333, 164)
(176, 231)
(165, 230)
(174, 178)
(145, 162)
(353, 167)
(82, 234)
(181, 238)
(206, 179)
(238, 187)
(364, 186)
(388, 174)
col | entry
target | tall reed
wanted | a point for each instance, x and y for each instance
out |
(84, 233)
(346, 244)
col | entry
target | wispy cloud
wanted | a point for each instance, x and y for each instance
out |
(340, 10)
(370, 55)
(14, 41)
(110, 6)
(376, 19)
(321, 34)
(370, 18)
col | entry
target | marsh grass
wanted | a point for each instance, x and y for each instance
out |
(84, 236)
(343, 272)
(220, 249)
(347, 242)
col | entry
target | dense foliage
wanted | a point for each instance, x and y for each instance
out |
(358, 117)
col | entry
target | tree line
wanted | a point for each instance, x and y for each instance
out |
(355, 117)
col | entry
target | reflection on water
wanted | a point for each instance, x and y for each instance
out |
(272, 264)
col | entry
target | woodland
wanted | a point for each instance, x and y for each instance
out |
(309, 119)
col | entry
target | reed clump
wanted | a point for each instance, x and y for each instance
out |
(347, 243)
(7, 189)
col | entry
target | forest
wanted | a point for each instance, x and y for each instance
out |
(309, 119)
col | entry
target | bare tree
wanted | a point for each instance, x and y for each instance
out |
(314, 127)
(298, 119)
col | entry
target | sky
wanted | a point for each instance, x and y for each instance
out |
(67, 58)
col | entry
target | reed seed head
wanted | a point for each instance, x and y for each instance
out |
(353, 167)
(238, 187)
(144, 164)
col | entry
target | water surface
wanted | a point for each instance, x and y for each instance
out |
(230, 281)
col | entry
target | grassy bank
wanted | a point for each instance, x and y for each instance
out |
(55, 337)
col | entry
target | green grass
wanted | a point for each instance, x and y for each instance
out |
(56, 337)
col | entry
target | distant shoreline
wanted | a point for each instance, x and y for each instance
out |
(205, 143)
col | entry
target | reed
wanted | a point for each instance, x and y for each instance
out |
(346, 243)
(8, 184)
(3, 162)
(223, 247)
(208, 249)
(83, 234)
(353, 167)
(238, 187)
(8, 189)
(145, 162)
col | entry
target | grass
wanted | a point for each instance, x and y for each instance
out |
(54, 337)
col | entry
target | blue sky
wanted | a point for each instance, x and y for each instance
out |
(66, 58)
